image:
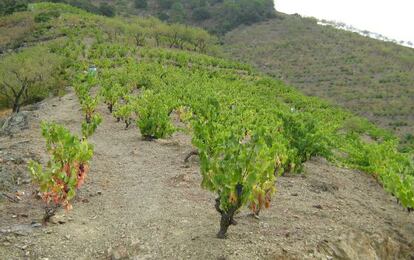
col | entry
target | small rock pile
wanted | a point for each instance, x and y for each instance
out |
(14, 124)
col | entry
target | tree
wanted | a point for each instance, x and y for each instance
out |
(107, 10)
(165, 4)
(27, 76)
(201, 40)
(252, 11)
(175, 35)
(163, 16)
(141, 4)
(234, 13)
(201, 14)
(140, 34)
(177, 13)
(10, 6)
(85, 5)
(158, 32)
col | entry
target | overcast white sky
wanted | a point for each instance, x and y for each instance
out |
(391, 18)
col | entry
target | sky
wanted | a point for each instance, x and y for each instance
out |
(391, 18)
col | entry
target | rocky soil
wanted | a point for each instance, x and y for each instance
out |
(141, 201)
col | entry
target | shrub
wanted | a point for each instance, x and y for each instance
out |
(28, 76)
(67, 167)
(153, 116)
(124, 112)
(165, 4)
(201, 14)
(141, 4)
(8, 7)
(237, 162)
(163, 16)
(107, 10)
(89, 128)
(306, 139)
(46, 16)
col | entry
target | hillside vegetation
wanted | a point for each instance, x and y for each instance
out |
(375, 79)
(248, 129)
(24, 80)
(217, 16)
(369, 77)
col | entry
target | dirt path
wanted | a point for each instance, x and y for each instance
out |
(140, 201)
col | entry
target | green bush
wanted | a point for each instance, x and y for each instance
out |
(201, 14)
(107, 10)
(85, 5)
(141, 4)
(153, 116)
(29, 76)
(163, 16)
(46, 16)
(165, 4)
(8, 7)
(306, 139)
(177, 13)
(66, 169)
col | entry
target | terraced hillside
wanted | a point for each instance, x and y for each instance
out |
(150, 136)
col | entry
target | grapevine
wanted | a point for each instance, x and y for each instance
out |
(66, 169)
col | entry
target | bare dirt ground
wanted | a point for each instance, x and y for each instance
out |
(140, 201)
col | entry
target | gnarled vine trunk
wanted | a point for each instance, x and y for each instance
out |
(190, 154)
(50, 211)
(227, 218)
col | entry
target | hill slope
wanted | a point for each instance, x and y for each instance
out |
(143, 201)
(247, 128)
(216, 16)
(372, 78)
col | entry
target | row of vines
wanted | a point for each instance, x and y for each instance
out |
(247, 129)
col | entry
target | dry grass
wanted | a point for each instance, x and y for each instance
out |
(5, 112)
(14, 28)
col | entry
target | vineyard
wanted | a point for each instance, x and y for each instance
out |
(247, 129)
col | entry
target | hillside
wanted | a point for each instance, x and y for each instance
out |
(353, 71)
(217, 16)
(141, 201)
(135, 139)
(25, 38)
(372, 78)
